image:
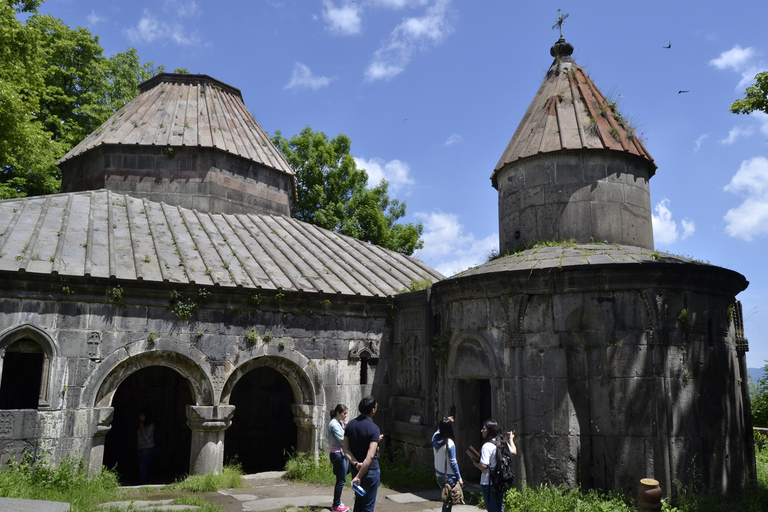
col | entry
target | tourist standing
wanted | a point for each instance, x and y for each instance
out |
(145, 445)
(336, 429)
(361, 443)
(494, 500)
(446, 466)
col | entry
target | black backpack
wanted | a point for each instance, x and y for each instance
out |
(502, 474)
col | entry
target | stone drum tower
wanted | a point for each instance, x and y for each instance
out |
(612, 362)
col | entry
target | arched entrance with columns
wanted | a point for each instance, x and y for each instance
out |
(161, 383)
(276, 412)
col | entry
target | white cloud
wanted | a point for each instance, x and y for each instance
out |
(699, 141)
(448, 248)
(399, 4)
(411, 35)
(453, 139)
(181, 8)
(396, 172)
(665, 230)
(750, 218)
(94, 18)
(302, 78)
(344, 20)
(742, 61)
(150, 29)
(735, 58)
(736, 133)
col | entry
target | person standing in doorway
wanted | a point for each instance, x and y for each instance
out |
(145, 445)
(446, 465)
(361, 443)
(494, 500)
(336, 429)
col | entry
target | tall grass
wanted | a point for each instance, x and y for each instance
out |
(231, 477)
(395, 473)
(68, 482)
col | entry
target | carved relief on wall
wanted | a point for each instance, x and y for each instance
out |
(94, 347)
(6, 424)
(411, 365)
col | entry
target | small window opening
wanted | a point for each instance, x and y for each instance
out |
(22, 374)
(363, 370)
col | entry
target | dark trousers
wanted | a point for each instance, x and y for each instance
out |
(370, 482)
(340, 469)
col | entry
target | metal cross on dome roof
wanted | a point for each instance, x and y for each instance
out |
(560, 20)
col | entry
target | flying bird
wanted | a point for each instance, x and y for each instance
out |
(669, 45)
(681, 92)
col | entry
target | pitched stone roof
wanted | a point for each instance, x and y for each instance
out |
(570, 113)
(102, 234)
(187, 110)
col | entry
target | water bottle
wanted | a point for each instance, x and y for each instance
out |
(358, 489)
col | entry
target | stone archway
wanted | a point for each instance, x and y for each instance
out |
(274, 383)
(103, 384)
(472, 367)
(163, 395)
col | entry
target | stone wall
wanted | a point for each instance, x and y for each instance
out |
(584, 196)
(95, 336)
(608, 375)
(204, 179)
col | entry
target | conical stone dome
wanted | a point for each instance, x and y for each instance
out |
(574, 169)
(186, 140)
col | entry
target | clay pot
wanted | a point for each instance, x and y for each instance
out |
(649, 495)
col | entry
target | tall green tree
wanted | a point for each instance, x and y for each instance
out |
(758, 397)
(56, 87)
(755, 97)
(333, 193)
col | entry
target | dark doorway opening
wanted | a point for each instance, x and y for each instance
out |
(263, 430)
(22, 373)
(473, 409)
(163, 395)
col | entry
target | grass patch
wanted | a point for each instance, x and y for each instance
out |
(231, 477)
(560, 499)
(397, 474)
(68, 482)
(302, 467)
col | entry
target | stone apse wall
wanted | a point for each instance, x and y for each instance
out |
(607, 375)
(94, 338)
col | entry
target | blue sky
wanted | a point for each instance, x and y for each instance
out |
(431, 91)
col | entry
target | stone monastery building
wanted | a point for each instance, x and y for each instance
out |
(168, 277)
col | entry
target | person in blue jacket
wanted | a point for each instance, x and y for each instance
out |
(444, 448)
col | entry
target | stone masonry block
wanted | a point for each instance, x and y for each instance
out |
(9, 313)
(71, 343)
(72, 315)
(39, 313)
(102, 317)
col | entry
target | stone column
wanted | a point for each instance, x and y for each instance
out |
(103, 417)
(208, 423)
(304, 417)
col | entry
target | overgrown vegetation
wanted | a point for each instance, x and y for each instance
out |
(495, 254)
(758, 393)
(68, 481)
(395, 473)
(418, 284)
(231, 477)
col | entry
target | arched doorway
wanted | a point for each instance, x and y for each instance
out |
(263, 428)
(163, 394)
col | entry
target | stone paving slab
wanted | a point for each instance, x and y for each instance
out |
(148, 505)
(17, 505)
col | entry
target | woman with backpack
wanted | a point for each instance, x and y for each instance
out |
(446, 465)
(493, 498)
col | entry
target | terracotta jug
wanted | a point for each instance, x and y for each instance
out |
(649, 495)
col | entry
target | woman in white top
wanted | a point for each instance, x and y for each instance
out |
(444, 448)
(340, 467)
(494, 500)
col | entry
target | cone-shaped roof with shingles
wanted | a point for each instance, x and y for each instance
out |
(570, 113)
(102, 234)
(187, 110)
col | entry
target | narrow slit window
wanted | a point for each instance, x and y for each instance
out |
(363, 370)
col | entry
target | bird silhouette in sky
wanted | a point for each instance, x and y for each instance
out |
(681, 92)
(669, 45)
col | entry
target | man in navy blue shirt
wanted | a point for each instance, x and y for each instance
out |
(361, 442)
